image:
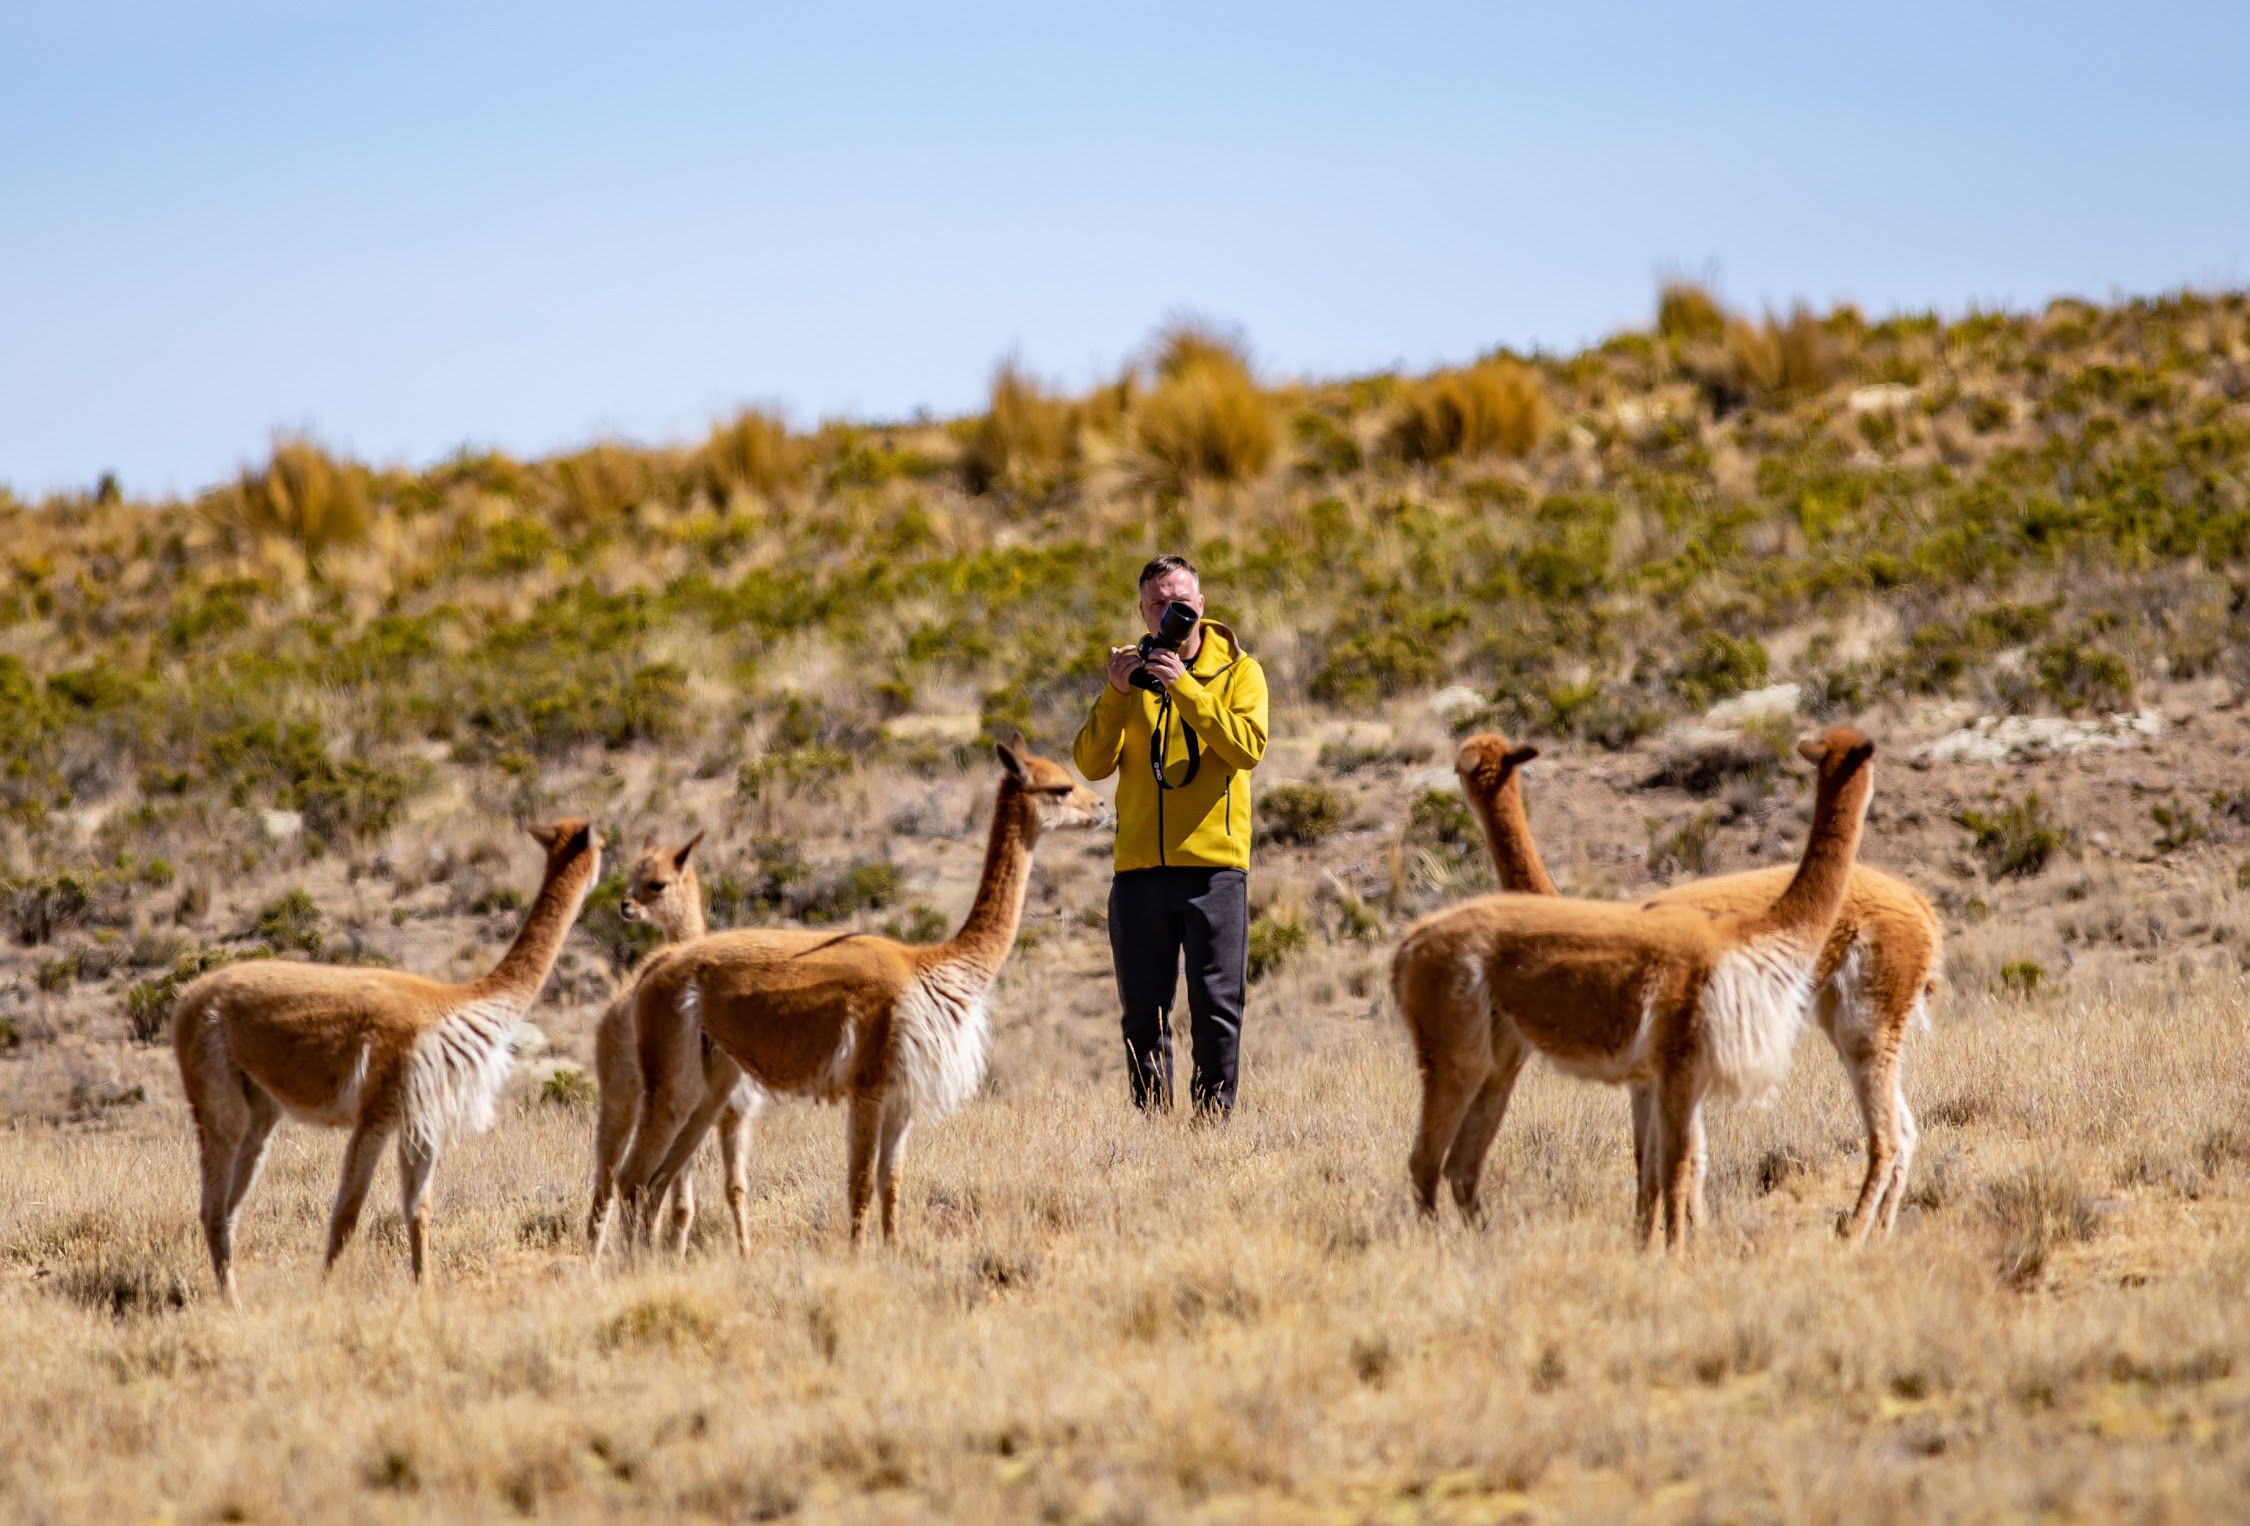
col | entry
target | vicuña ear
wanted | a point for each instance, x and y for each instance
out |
(1812, 749)
(544, 836)
(583, 838)
(1519, 756)
(1858, 755)
(1012, 761)
(679, 859)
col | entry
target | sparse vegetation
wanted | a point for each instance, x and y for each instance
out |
(2017, 837)
(1302, 813)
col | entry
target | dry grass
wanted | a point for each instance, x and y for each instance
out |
(1100, 1317)
(302, 494)
(1027, 429)
(1496, 407)
(1206, 420)
(755, 452)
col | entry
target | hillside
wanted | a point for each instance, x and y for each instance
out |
(307, 712)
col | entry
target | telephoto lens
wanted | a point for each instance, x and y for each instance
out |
(1174, 627)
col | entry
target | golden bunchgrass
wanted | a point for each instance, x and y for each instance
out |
(1495, 407)
(1097, 1316)
(302, 494)
(1206, 420)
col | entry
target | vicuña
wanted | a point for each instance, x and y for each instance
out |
(898, 1032)
(1872, 983)
(1700, 1005)
(379, 1052)
(663, 891)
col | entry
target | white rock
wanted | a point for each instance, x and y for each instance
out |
(1775, 702)
(1423, 780)
(1882, 397)
(960, 727)
(1458, 699)
(282, 825)
(2016, 738)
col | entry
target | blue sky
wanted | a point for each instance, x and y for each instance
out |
(409, 226)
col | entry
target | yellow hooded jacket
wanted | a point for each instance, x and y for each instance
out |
(1205, 822)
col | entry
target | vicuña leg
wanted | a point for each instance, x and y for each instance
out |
(861, 1136)
(1676, 1124)
(677, 1172)
(734, 1152)
(618, 1069)
(417, 1158)
(1894, 1196)
(361, 1157)
(889, 1149)
(672, 1082)
(222, 1121)
(1464, 1163)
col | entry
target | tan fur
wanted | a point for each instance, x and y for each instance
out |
(663, 890)
(1872, 980)
(375, 1051)
(895, 1031)
(1693, 1002)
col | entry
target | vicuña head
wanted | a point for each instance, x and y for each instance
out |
(1692, 1003)
(897, 1031)
(379, 1052)
(662, 890)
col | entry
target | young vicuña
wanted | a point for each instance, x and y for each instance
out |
(379, 1052)
(897, 1031)
(1872, 983)
(663, 890)
(1697, 1003)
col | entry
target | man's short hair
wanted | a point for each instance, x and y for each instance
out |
(1168, 563)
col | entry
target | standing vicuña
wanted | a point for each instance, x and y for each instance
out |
(663, 890)
(1696, 1003)
(1872, 981)
(375, 1051)
(897, 1031)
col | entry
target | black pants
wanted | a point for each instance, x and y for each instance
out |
(1155, 915)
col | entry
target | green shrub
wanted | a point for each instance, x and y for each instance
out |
(291, 921)
(41, 906)
(1274, 940)
(1325, 447)
(569, 1088)
(922, 923)
(149, 1003)
(1441, 829)
(1719, 666)
(1372, 666)
(869, 885)
(2017, 839)
(2079, 677)
(1300, 813)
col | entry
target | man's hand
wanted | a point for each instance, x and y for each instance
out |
(1124, 661)
(1166, 667)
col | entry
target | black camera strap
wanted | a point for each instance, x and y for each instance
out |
(1158, 742)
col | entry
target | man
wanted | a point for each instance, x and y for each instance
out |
(1186, 748)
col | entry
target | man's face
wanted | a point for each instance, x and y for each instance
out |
(1158, 592)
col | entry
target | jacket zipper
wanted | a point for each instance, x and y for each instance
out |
(1162, 742)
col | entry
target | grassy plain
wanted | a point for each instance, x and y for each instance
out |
(306, 712)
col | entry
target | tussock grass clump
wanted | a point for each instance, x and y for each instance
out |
(2039, 1210)
(754, 452)
(302, 494)
(1776, 357)
(1026, 431)
(1686, 310)
(1496, 407)
(1206, 421)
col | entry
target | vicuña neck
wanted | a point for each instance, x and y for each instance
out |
(522, 970)
(985, 938)
(690, 925)
(1507, 836)
(1816, 890)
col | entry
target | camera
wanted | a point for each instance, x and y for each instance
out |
(1177, 624)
